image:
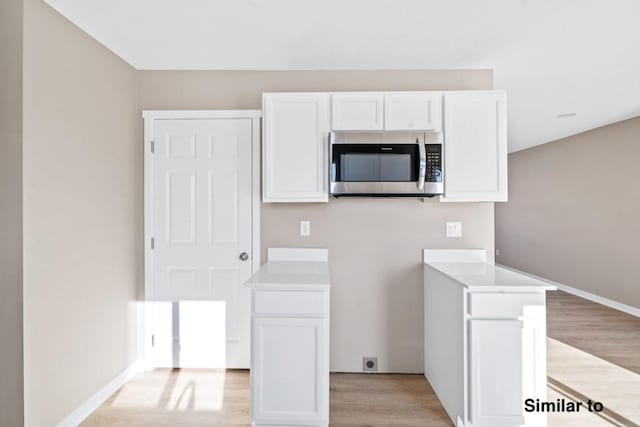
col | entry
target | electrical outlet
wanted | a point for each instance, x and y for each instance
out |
(497, 252)
(305, 228)
(370, 364)
(454, 229)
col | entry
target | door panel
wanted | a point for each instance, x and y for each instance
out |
(413, 111)
(202, 222)
(495, 374)
(296, 128)
(357, 111)
(300, 370)
(475, 134)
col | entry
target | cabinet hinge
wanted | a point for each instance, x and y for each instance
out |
(153, 243)
(153, 147)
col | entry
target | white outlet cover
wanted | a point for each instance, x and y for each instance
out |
(454, 229)
(305, 228)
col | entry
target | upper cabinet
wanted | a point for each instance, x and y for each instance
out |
(392, 111)
(295, 130)
(413, 111)
(357, 111)
(472, 124)
(475, 146)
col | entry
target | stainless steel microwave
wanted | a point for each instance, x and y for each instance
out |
(385, 164)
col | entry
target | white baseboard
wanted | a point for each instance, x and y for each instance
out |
(83, 411)
(583, 294)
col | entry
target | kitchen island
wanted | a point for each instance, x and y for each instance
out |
(290, 339)
(485, 339)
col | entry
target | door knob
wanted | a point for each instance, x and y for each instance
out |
(244, 256)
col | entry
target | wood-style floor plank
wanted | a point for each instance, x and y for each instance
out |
(601, 331)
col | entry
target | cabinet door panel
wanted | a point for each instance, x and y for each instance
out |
(290, 371)
(357, 111)
(495, 372)
(296, 129)
(475, 142)
(413, 111)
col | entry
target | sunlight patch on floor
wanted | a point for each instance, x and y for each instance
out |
(581, 373)
(174, 390)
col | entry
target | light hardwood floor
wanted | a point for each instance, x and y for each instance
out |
(601, 331)
(190, 397)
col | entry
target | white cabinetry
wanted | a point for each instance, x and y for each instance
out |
(295, 147)
(296, 130)
(413, 111)
(290, 339)
(475, 146)
(492, 354)
(357, 111)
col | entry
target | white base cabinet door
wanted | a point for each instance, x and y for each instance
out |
(495, 374)
(295, 147)
(475, 146)
(290, 372)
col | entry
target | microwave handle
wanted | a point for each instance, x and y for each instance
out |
(422, 171)
(327, 153)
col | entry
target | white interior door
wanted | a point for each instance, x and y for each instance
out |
(202, 234)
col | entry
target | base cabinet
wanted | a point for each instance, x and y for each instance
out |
(290, 365)
(491, 355)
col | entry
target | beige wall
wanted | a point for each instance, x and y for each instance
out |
(374, 244)
(82, 215)
(573, 214)
(11, 366)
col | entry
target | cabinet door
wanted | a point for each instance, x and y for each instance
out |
(475, 146)
(290, 371)
(357, 111)
(295, 151)
(413, 111)
(495, 373)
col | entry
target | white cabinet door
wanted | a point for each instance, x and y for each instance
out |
(413, 111)
(295, 152)
(357, 111)
(290, 371)
(495, 373)
(475, 146)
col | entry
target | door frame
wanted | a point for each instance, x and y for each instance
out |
(145, 313)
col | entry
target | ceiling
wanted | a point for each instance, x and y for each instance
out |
(553, 57)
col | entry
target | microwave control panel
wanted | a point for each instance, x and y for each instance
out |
(434, 163)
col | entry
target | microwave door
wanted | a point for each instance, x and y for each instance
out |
(375, 169)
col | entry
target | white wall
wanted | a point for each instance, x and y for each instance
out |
(82, 215)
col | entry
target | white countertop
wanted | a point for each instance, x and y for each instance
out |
(291, 274)
(465, 267)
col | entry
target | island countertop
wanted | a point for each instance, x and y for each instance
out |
(303, 274)
(470, 269)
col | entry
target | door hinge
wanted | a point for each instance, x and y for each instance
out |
(153, 147)
(153, 340)
(153, 243)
